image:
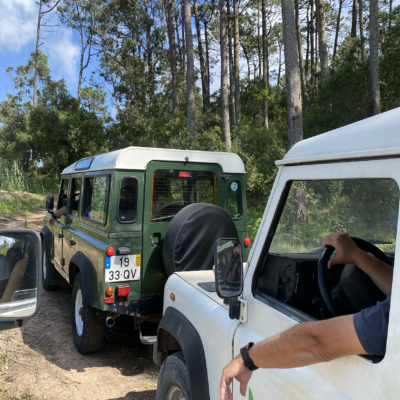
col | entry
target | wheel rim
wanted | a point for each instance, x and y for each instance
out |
(44, 266)
(175, 393)
(78, 317)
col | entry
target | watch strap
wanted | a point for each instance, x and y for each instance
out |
(248, 362)
(53, 215)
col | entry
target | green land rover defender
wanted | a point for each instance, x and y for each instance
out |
(134, 216)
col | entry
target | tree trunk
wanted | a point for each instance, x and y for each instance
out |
(246, 56)
(361, 21)
(300, 49)
(231, 67)
(390, 11)
(37, 55)
(312, 44)
(224, 77)
(258, 39)
(306, 66)
(279, 63)
(294, 104)
(172, 56)
(183, 41)
(354, 19)
(178, 40)
(265, 62)
(149, 50)
(374, 58)
(203, 71)
(207, 59)
(236, 56)
(323, 51)
(337, 29)
(191, 107)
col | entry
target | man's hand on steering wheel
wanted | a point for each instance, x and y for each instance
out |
(347, 252)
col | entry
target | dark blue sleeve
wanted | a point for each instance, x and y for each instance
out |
(372, 327)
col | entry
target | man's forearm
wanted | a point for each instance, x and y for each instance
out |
(380, 273)
(308, 343)
(61, 211)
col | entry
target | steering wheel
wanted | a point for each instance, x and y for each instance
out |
(323, 269)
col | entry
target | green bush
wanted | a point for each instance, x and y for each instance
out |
(13, 178)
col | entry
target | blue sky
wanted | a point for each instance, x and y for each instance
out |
(18, 22)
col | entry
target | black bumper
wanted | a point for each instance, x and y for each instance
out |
(138, 308)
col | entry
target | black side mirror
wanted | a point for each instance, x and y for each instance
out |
(49, 199)
(229, 273)
(20, 262)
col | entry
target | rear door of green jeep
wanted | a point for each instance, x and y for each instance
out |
(169, 187)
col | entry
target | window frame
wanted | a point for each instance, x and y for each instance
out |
(284, 308)
(241, 197)
(108, 197)
(59, 192)
(70, 197)
(137, 199)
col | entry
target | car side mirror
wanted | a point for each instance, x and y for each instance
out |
(229, 273)
(49, 199)
(20, 261)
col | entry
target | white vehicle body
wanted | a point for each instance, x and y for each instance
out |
(369, 149)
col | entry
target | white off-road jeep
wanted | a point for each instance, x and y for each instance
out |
(344, 180)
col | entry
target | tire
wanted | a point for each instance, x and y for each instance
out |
(173, 380)
(47, 269)
(190, 238)
(88, 330)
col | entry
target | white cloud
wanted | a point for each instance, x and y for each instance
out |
(63, 55)
(18, 22)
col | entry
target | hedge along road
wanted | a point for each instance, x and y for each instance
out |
(40, 361)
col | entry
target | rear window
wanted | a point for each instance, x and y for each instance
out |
(173, 190)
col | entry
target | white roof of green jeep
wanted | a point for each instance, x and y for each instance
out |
(377, 136)
(137, 158)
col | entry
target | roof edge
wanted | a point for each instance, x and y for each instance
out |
(341, 156)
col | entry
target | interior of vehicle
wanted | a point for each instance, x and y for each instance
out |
(290, 271)
(174, 189)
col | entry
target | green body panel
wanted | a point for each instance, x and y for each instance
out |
(92, 238)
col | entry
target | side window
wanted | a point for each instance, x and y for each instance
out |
(288, 272)
(62, 199)
(75, 196)
(96, 198)
(235, 205)
(128, 199)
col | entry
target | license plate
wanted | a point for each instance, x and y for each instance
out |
(123, 268)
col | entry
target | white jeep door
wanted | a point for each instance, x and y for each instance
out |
(281, 286)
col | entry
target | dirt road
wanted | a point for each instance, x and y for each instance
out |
(39, 361)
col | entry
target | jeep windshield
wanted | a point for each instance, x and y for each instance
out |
(173, 190)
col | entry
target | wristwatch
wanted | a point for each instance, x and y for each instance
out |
(53, 216)
(248, 362)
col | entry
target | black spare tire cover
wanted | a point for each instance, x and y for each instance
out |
(191, 236)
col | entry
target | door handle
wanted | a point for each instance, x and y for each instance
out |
(155, 239)
(72, 242)
(60, 235)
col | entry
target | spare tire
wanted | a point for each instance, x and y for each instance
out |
(189, 241)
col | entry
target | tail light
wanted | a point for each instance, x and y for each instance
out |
(247, 242)
(109, 300)
(110, 251)
(123, 290)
